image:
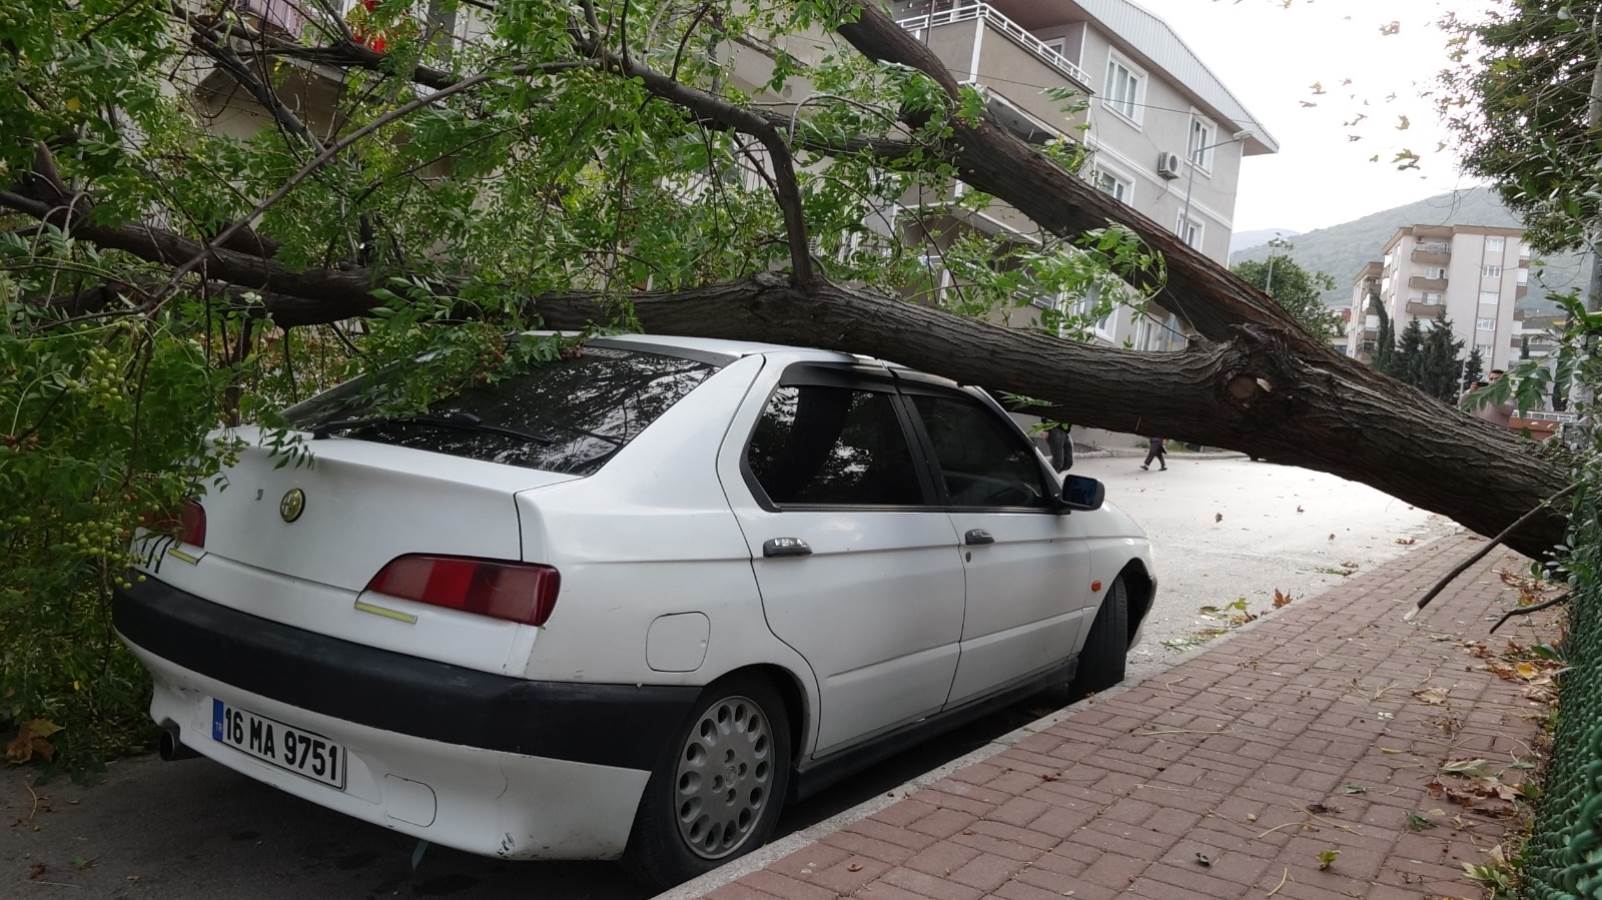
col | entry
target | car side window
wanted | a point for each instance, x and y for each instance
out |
(982, 461)
(833, 446)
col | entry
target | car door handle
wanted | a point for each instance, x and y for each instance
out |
(978, 536)
(785, 546)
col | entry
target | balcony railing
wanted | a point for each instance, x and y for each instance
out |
(1422, 283)
(285, 15)
(987, 13)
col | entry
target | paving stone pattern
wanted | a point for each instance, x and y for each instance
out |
(1220, 757)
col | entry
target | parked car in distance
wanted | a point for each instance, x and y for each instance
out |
(628, 604)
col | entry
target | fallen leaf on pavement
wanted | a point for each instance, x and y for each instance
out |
(1218, 517)
(1432, 696)
(1282, 599)
(1407, 542)
(1465, 768)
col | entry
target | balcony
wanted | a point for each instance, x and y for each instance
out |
(1011, 61)
(1425, 310)
(1428, 255)
(1419, 282)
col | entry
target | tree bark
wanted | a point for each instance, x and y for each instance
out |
(1252, 391)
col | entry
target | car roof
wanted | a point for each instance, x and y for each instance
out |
(731, 348)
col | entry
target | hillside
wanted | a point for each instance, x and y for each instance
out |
(1342, 250)
(1245, 240)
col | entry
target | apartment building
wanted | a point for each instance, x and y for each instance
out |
(1167, 137)
(1474, 274)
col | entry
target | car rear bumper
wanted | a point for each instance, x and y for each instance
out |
(476, 761)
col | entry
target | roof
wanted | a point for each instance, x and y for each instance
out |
(1147, 35)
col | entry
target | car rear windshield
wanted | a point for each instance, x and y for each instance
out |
(571, 416)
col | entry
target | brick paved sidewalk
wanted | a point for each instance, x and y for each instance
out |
(1222, 757)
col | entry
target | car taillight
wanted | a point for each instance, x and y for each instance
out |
(192, 523)
(518, 592)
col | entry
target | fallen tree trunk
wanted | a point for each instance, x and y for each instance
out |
(1256, 383)
(1250, 392)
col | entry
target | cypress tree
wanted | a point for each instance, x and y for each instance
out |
(1407, 362)
(1473, 370)
(1439, 368)
(1385, 342)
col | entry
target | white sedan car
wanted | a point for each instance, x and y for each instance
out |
(628, 604)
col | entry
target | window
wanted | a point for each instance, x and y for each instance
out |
(1490, 298)
(983, 462)
(1122, 189)
(1189, 231)
(1432, 297)
(1056, 45)
(567, 416)
(1491, 271)
(1485, 352)
(1484, 324)
(1434, 273)
(1125, 90)
(1203, 135)
(1495, 245)
(1087, 307)
(1522, 277)
(834, 446)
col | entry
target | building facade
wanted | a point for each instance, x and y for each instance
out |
(1474, 275)
(1165, 135)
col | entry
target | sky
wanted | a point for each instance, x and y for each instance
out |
(1271, 53)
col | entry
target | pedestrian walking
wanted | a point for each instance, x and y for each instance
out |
(1155, 451)
(1061, 446)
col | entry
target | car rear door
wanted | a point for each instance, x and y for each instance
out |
(1026, 564)
(858, 570)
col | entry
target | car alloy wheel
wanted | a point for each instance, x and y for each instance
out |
(725, 777)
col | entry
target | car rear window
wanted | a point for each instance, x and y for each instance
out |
(581, 411)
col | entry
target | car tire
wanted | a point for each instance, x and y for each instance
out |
(717, 791)
(1101, 662)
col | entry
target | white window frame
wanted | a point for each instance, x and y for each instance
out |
(1485, 352)
(1485, 323)
(1497, 245)
(1496, 298)
(1434, 273)
(1180, 221)
(1135, 115)
(1491, 271)
(1209, 130)
(1433, 298)
(1100, 169)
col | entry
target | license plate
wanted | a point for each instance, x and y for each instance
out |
(285, 746)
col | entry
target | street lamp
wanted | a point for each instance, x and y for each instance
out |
(1277, 242)
(1190, 183)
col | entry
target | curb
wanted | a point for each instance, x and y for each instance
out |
(769, 853)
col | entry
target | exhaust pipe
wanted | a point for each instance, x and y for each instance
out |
(171, 748)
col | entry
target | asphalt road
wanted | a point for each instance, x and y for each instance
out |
(193, 830)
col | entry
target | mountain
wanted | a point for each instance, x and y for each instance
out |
(1245, 240)
(1342, 250)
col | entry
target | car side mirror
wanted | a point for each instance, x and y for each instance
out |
(1079, 492)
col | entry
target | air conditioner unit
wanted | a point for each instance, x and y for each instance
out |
(1168, 165)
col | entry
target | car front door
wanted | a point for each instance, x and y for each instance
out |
(1026, 563)
(858, 570)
